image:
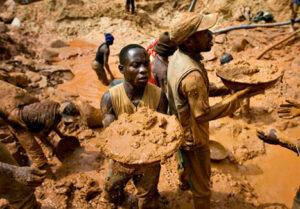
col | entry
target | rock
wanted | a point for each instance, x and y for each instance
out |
(3, 27)
(34, 77)
(43, 82)
(91, 115)
(18, 79)
(220, 39)
(16, 22)
(209, 55)
(239, 44)
(58, 44)
(50, 55)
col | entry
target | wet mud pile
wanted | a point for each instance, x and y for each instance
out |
(144, 137)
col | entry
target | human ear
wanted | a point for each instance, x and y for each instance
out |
(121, 68)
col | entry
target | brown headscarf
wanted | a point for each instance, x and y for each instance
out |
(165, 47)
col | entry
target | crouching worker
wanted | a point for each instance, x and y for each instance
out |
(28, 118)
(126, 98)
(17, 184)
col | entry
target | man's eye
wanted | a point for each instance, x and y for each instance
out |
(134, 64)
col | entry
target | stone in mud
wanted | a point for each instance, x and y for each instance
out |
(58, 44)
(34, 77)
(220, 39)
(239, 44)
(18, 79)
(91, 115)
(50, 55)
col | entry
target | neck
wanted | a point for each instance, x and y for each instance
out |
(133, 91)
(194, 55)
(165, 59)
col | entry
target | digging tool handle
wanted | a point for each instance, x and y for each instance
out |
(276, 44)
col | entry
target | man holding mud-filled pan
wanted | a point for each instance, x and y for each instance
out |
(188, 92)
(126, 97)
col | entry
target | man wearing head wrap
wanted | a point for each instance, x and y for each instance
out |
(188, 92)
(28, 118)
(101, 60)
(164, 48)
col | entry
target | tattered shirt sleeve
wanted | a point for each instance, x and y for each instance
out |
(194, 89)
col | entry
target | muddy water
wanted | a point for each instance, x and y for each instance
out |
(85, 83)
(281, 173)
(273, 175)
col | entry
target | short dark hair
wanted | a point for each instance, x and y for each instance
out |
(124, 51)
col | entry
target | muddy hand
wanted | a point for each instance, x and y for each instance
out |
(270, 139)
(29, 176)
(289, 110)
(242, 93)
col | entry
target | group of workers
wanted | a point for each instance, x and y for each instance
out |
(184, 91)
(174, 81)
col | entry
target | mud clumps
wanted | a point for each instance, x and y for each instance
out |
(255, 72)
(141, 138)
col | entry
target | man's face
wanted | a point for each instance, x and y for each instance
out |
(137, 69)
(200, 41)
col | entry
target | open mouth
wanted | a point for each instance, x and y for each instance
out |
(143, 79)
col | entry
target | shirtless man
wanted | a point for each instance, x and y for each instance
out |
(101, 60)
(126, 98)
(164, 49)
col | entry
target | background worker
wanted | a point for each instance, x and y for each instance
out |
(126, 97)
(294, 5)
(127, 7)
(28, 118)
(17, 184)
(164, 49)
(101, 60)
(188, 92)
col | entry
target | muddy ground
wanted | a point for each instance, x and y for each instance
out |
(255, 175)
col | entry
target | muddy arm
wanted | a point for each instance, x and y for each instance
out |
(283, 141)
(107, 110)
(215, 90)
(25, 175)
(223, 108)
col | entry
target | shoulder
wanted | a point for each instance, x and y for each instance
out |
(106, 102)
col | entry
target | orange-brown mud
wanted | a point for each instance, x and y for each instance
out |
(144, 137)
(255, 175)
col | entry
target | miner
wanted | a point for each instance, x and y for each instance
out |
(28, 118)
(126, 98)
(188, 92)
(101, 61)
